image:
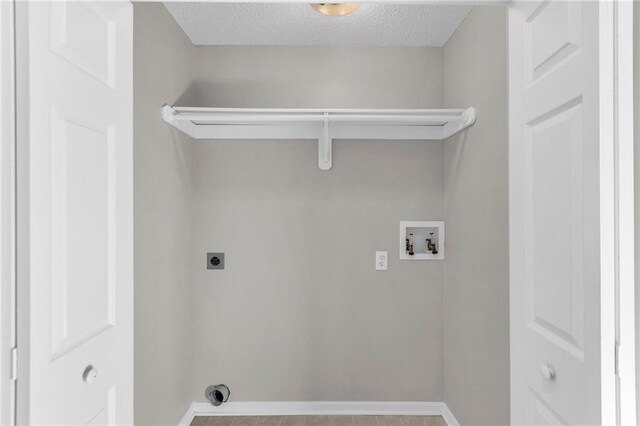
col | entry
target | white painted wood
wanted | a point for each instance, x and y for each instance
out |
(7, 215)
(188, 415)
(80, 212)
(323, 125)
(319, 408)
(423, 227)
(559, 252)
(608, 292)
(620, 62)
(448, 416)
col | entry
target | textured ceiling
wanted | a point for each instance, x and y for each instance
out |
(286, 24)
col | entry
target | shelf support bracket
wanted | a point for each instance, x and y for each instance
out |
(325, 144)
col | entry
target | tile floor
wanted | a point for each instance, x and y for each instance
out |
(319, 421)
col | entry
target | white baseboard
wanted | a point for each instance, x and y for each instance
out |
(304, 408)
(188, 416)
(448, 416)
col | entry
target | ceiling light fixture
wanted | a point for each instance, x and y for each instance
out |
(335, 9)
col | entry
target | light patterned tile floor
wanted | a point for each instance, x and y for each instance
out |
(319, 421)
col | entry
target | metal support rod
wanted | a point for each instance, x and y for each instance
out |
(224, 118)
(396, 111)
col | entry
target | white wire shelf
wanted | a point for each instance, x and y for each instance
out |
(321, 124)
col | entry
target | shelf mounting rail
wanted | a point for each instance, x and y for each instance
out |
(324, 125)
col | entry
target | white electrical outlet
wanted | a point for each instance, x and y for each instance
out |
(382, 258)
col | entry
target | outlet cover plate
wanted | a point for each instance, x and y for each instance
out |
(382, 261)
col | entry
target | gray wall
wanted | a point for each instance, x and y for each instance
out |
(162, 222)
(476, 289)
(320, 77)
(299, 313)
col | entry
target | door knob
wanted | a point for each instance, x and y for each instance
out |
(547, 372)
(90, 374)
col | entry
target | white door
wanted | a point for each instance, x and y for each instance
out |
(80, 213)
(559, 226)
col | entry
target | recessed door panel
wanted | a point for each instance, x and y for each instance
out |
(85, 38)
(83, 230)
(555, 232)
(553, 33)
(105, 415)
(541, 413)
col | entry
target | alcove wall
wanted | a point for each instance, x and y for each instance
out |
(476, 270)
(299, 313)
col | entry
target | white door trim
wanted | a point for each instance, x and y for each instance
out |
(625, 212)
(621, 86)
(22, 207)
(617, 212)
(607, 234)
(7, 214)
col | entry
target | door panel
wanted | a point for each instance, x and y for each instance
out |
(80, 216)
(82, 188)
(555, 226)
(553, 32)
(72, 24)
(554, 234)
(541, 413)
